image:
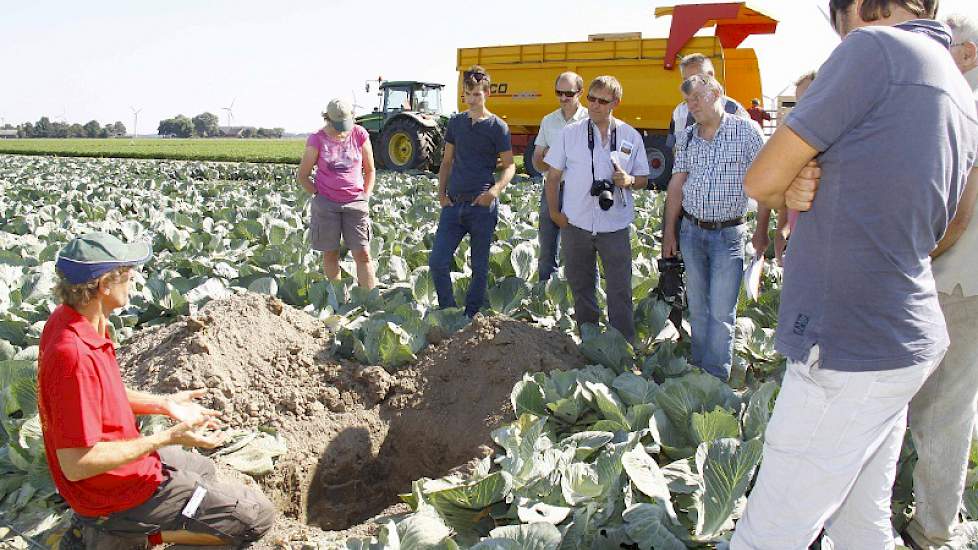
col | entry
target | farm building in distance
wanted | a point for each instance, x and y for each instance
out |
(8, 133)
(237, 131)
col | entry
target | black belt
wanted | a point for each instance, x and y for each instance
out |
(456, 199)
(712, 225)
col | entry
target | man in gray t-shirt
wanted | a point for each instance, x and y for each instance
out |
(896, 132)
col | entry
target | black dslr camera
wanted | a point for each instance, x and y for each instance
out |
(671, 277)
(604, 190)
(671, 288)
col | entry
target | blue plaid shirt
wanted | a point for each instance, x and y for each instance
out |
(714, 189)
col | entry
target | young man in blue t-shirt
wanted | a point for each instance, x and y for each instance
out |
(468, 191)
(895, 130)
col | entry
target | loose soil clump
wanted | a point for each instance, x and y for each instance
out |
(357, 435)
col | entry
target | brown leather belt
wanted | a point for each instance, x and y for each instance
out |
(712, 226)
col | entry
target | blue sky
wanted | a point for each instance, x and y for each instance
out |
(281, 62)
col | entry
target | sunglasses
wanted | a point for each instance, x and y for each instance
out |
(567, 93)
(475, 75)
(600, 100)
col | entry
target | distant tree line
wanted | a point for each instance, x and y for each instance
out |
(45, 128)
(207, 125)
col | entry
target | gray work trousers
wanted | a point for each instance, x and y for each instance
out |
(942, 416)
(580, 250)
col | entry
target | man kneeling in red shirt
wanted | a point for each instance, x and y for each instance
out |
(127, 490)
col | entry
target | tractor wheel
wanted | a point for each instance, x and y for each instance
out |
(660, 161)
(407, 145)
(528, 159)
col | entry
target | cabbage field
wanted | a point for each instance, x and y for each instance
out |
(637, 450)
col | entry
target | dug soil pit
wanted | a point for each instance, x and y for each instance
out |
(357, 435)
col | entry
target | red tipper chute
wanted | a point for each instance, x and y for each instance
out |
(735, 21)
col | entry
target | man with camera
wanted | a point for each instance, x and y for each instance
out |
(600, 160)
(707, 192)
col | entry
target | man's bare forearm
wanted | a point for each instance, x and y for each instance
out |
(105, 456)
(552, 189)
(146, 403)
(764, 217)
(674, 202)
(962, 218)
(507, 176)
(443, 172)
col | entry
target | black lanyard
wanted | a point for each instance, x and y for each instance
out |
(590, 141)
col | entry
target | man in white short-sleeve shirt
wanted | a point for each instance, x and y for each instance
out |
(567, 88)
(595, 153)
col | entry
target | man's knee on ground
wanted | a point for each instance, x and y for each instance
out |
(264, 520)
(256, 520)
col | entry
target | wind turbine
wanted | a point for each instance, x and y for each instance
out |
(355, 104)
(230, 112)
(135, 121)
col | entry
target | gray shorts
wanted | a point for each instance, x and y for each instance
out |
(231, 511)
(331, 219)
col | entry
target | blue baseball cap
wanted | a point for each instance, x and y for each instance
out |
(91, 255)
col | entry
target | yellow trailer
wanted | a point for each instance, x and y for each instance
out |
(523, 75)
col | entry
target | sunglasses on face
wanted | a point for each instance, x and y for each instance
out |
(474, 75)
(599, 100)
(567, 93)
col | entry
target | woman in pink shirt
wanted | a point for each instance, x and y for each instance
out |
(344, 180)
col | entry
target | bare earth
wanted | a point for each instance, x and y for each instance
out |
(357, 435)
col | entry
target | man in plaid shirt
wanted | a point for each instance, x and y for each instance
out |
(707, 192)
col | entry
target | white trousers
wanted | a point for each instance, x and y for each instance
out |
(829, 461)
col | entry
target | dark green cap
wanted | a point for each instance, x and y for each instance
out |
(94, 254)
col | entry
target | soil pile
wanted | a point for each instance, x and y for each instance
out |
(357, 435)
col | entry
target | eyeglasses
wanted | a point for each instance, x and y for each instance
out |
(475, 75)
(599, 100)
(567, 93)
(697, 97)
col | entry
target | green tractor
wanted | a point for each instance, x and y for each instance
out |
(407, 129)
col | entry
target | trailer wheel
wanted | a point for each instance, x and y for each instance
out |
(660, 161)
(528, 159)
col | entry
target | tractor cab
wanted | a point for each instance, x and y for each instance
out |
(421, 97)
(406, 127)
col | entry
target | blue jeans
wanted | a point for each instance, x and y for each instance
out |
(714, 268)
(549, 238)
(479, 222)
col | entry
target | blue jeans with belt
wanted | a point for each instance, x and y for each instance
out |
(714, 268)
(457, 220)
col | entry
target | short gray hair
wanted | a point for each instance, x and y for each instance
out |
(573, 77)
(607, 83)
(701, 80)
(810, 75)
(697, 59)
(963, 28)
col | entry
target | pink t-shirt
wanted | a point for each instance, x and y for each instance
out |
(339, 168)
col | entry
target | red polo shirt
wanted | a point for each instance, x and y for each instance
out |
(82, 401)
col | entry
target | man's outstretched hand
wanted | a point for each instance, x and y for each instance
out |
(181, 407)
(195, 434)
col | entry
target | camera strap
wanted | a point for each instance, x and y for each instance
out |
(590, 141)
